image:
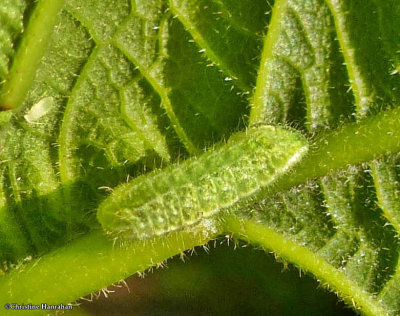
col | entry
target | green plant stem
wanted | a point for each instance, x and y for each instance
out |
(30, 53)
(86, 265)
(353, 144)
(92, 262)
(306, 260)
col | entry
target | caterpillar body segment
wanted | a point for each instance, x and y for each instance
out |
(181, 195)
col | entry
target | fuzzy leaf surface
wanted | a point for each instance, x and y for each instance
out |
(119, 88)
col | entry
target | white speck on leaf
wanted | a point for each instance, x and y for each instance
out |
(39, 110)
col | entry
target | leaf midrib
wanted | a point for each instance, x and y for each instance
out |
(303, 173)
(363, 99)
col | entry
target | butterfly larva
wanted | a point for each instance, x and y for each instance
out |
(183, 194)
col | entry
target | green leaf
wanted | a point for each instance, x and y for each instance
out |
(106, 91)
(352, 223)
(11, 27)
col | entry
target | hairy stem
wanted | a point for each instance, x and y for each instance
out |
(304, 259)
(352, 144)
(87, 265)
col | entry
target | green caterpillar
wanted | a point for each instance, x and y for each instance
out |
(184, 194)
